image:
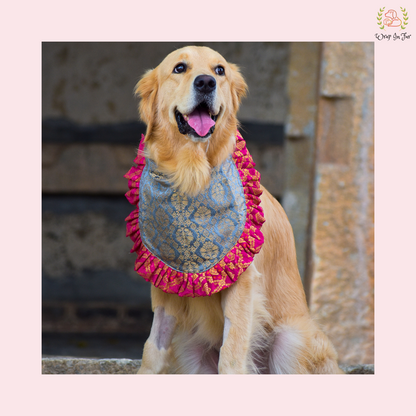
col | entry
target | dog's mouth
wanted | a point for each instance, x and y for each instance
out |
(200, 123)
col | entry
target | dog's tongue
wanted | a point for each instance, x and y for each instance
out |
(200, 121)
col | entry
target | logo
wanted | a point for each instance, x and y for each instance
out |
(392, 20)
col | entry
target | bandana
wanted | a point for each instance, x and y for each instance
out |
(195, 246)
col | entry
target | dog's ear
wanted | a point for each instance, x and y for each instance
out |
(238, 86)
(146, 89)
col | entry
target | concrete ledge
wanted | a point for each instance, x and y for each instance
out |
(68, 365)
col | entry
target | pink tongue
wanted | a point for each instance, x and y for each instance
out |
(200, 121)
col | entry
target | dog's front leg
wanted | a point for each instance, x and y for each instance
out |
(156, 349)
(237, 304)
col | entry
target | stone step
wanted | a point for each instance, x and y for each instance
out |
(68, 365)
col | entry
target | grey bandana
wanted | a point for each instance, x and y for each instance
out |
(191, 235)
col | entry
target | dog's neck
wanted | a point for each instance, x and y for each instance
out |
(186, 163)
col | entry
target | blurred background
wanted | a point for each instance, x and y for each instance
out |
(308, 123)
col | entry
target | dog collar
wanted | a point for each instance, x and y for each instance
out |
(195, 246)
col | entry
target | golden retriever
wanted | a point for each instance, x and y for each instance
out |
(261, 323)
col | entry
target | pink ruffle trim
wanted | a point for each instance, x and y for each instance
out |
(224, 273)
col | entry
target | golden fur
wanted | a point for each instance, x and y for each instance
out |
(261, 324)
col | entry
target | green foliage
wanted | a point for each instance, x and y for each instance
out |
(380, 14)
(405, 18)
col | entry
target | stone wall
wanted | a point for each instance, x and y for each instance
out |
(92, 82)
(342, 239)
(90, 138)
(329, 188)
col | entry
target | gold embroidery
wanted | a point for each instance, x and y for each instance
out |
(192, 234)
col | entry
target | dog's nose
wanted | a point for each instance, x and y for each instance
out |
(205, 83)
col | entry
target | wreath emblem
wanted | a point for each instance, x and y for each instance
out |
(391, 19)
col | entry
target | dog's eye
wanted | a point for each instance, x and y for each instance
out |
(179, 68)
(219, 70)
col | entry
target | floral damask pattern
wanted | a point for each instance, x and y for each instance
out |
(191, 235)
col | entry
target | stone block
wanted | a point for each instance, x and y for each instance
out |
(95, 168)
(269, 159)
(93, 159)
(85, 252)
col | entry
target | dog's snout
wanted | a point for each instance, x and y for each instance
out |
(205, 83)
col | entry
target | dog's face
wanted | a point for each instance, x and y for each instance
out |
(194, 92)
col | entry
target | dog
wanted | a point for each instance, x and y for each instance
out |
(260, 323)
